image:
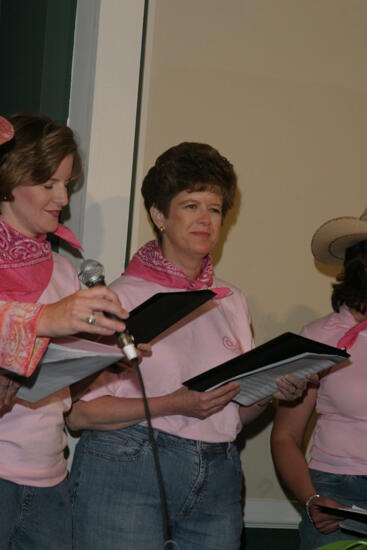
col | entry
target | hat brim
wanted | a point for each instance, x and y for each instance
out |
(330, 241)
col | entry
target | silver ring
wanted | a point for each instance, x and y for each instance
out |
(91, 319)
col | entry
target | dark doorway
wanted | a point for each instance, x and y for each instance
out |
(36, 46)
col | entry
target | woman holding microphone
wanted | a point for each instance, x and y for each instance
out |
(39, 160)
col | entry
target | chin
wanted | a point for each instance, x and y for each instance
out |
(50, 228)
(201, 251)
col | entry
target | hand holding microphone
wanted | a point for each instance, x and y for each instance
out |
(73, 314)
(91, 274)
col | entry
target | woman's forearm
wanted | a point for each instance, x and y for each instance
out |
(248, 414)
(287, 437)
(114, 413)
(292, 467)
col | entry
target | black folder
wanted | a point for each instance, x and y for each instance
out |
(163, 310)
(354, 518)
(258, 369)
(69, 360)
(352, 512)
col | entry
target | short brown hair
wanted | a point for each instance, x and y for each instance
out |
(188, 166)
(35, 152)
(351, 288)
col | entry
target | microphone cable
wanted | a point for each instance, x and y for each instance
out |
(92, 274)
(168, 542)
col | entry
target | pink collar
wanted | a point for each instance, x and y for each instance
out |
(68, 236)
(149, 264)
(350, 337)
(26, 264)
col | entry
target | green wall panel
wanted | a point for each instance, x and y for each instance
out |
(36, 44)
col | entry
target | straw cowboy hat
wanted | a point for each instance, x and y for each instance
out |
(333, 237)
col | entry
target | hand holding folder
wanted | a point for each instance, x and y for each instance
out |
(71, 359)
(354, 518)
(258, 369)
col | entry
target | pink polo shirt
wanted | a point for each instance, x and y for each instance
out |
(213, 334)
(32, 437)
(340, 437)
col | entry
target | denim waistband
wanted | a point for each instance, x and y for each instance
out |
(179, 442)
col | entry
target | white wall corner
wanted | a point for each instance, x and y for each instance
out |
(138, 200)
(81, 99)
(271, 513)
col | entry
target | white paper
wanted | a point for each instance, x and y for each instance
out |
(66, 362)
(354, 525)
(261, 383)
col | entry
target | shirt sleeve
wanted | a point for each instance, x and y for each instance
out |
(20, 348)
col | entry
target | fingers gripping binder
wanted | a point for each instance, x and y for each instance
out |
(258, 369)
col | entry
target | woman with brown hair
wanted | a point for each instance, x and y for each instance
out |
(116, 504)
(337, 472)
(39, 160)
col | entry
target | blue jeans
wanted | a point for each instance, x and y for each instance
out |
(35, 518)
(346, 490)
(115, 496)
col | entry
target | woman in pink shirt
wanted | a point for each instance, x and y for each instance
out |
(25, 328)
(337, 472)
(116, 501)
(38, 162)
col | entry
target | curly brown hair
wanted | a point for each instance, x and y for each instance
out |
(351, 288)
(188, 166)
(35, 152)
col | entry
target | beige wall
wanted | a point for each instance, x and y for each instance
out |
(279, 88)
(103, 104)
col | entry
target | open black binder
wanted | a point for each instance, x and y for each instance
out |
(258, 369)
(161, 311)
(352, 512)
(354, 518)
(69, 360)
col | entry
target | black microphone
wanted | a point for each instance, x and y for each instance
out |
(91, 274)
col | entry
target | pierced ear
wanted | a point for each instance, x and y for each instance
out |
(157, 217)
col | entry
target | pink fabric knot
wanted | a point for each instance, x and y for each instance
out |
(68, 236)
(149, 264)
(351, 335)
(221, 292)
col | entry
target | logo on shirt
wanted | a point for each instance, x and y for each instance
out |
(232, 344)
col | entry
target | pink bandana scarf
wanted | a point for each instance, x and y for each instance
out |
(26, 264)
(349, 338)
(149, 264)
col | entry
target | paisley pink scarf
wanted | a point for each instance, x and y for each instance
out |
(149, 264)
(26, 264)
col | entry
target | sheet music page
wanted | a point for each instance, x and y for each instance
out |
(66, 362)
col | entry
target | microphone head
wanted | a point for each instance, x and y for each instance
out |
(91, 273)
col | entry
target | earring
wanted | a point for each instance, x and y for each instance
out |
(161, 228)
